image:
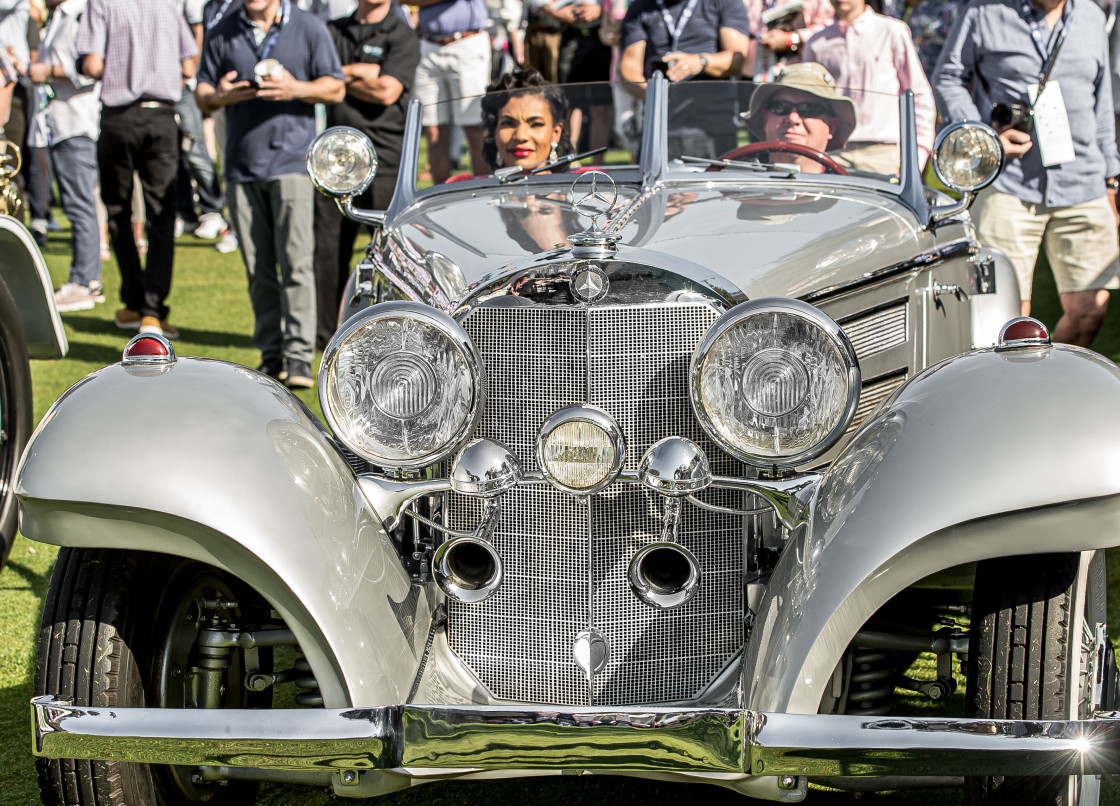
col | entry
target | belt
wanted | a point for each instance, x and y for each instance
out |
(138, 105)
(455, 37)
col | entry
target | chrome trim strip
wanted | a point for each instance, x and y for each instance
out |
(641, 740)
(916, 262)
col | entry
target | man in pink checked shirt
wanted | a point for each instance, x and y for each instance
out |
(874, 60)
(780, 42)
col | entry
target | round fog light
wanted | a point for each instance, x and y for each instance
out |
(580, 449)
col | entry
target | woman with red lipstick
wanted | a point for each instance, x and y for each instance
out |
(524, 121)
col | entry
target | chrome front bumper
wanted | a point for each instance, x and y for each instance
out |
(413, 739)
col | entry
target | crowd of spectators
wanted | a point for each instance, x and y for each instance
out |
(145, 99)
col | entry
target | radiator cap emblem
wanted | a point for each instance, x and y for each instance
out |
(593, 194)
(591, 651)
(589, 283)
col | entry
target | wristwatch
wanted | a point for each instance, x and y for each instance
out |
(703, 62)
(1112, 183)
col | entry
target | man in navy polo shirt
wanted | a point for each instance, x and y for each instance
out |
(270, 123)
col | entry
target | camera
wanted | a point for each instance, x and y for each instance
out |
(662, 66)
(1014, 116)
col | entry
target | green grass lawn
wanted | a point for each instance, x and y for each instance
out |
(211, 308)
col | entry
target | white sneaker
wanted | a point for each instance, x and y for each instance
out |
(210, 226)
(180, 227)
(73, 297)
(228, 243)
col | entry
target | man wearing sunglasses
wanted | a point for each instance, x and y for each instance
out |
(801, 106)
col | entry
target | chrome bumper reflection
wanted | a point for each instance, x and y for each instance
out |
(654, 740)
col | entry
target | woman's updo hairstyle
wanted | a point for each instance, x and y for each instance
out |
(512, 85)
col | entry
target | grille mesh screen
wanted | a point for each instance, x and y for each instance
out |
(566, 559)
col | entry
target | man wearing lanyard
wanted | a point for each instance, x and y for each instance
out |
(453, 72)
(691, 39)
(1058, 189)
(267, 64)
(143, 51)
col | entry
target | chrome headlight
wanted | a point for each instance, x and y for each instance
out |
(401, 385)
(967, 156)
(775, 382)
(580, 449)
(342, 162)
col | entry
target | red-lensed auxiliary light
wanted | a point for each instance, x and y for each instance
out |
(148, 348)
(1023, 331)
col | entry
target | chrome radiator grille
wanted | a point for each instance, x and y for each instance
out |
(565, 558)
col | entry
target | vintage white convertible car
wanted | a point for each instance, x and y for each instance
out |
(696, 469)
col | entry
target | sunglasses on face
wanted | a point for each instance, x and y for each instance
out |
(806, 109)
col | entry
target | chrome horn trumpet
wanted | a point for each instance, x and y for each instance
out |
(666, 574)
(468, 568)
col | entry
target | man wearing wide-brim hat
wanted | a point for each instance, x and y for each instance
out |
(802, 106)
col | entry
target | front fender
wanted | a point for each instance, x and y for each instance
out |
(25, 273)
(218, 463)
(985, 455)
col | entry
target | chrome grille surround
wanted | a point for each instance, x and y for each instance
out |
(566, 557)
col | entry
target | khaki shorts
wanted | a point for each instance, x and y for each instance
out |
(450, 80)
(1080, 240)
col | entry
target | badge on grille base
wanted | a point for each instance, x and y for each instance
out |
(591, 651)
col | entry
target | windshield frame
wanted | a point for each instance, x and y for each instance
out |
(654, 166)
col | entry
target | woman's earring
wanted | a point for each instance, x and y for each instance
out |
(552, 154)
(498, 160)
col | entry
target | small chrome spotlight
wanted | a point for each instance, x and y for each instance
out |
(467, 569)
(664, 575)
(485, 468)
(675, 466)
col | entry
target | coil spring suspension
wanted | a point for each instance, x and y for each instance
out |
(870, 682)
(309, 694)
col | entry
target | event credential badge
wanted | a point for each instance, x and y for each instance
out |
(1051, 124)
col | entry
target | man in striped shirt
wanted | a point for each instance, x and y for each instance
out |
(143, 51)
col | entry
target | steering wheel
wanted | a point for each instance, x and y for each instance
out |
(828, 163)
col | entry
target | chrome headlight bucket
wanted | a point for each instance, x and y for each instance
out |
(580, 449)
(968, 156)
(342, 162)
(774, 382)
(401, 385)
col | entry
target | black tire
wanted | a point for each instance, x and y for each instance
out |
(1029, 658)
(108, 623)
(15, 414)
